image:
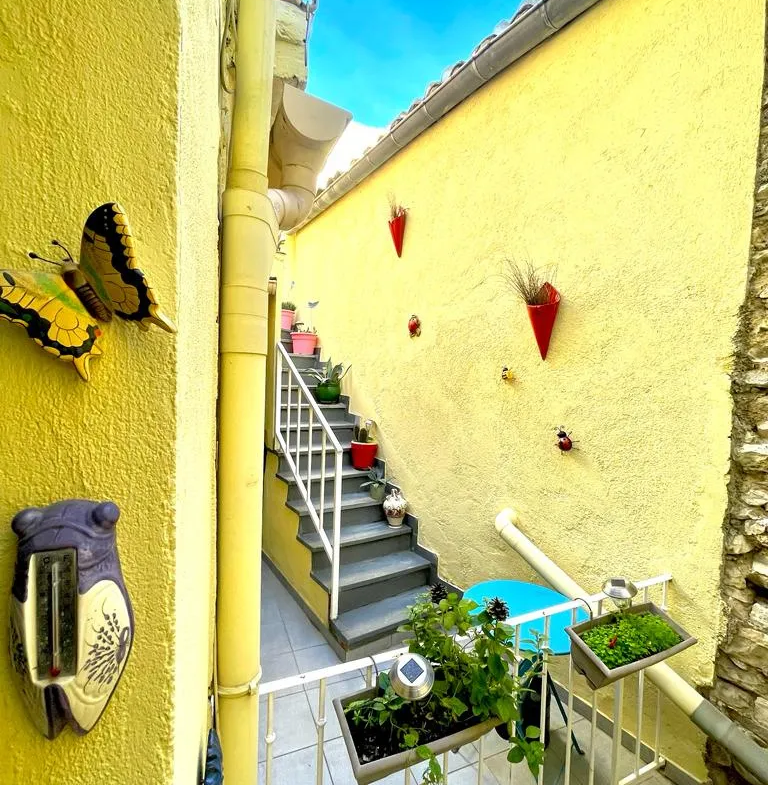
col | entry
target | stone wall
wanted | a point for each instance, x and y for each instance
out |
(741, 683)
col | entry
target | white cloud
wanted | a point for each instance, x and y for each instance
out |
(355, 140)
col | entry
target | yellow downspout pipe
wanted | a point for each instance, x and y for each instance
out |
(249, 238)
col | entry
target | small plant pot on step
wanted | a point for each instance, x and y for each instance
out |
(328, 392)
(395, 506)
(304, 343)
(366, 773)
(543, 317)
(378, 492)
(363, 454)
(286, 319)
(595, 670)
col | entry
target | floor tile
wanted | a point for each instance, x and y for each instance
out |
(294, 727)
(295, 768)
(316, 657)
(274, 639)
(280, 666)
(301, 632)
(336, 690)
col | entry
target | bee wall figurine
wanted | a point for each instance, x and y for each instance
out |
(72, 623)
(61, 310)
(507, 375)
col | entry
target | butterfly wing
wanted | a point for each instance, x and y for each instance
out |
(107, 260)
(52, 315)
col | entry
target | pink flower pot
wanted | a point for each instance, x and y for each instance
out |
(286, 319)
(304, 343)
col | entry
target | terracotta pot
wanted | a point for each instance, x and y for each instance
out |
(304, 343)
(595, 671)
(365, 773)
(397, 230)
(543, 318)
(286, 319)
(363, 454)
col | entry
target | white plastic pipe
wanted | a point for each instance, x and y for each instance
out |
(701, 712)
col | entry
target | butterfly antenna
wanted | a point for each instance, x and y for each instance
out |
(64, 248)
(42, 258)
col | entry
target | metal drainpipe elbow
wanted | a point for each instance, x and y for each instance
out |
(292, 205)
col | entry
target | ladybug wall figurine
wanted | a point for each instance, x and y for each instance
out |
(414, 326)
(507, 375)
(564, 441)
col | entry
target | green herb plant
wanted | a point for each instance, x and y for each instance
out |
(630, 637)
(329, 372)
(288, 305)
(475, 680)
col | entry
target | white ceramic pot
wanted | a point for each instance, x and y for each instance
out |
(394, 507)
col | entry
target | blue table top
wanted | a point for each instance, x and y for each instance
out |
(522, 597)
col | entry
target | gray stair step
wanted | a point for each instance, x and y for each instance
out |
(303, 361)
(349, 501)
(351, 479)
(330, 456)
(357, 534)
(343, 431)
(364, 582)
(370, 622)
(346, 471)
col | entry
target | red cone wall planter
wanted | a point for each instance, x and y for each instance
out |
(543, 318)
(397, 230)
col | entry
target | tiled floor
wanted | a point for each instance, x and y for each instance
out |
(291, 645)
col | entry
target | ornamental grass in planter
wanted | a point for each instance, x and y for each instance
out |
(610, 647)
(328, 378)
(473, 692)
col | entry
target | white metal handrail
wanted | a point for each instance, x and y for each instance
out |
(640, 770)
(315, 512)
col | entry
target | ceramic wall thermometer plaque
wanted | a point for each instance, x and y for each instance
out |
(61, 310)
(71, 626)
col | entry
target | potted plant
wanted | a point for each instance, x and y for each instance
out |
(304, 339)
(328, 381)
(610, 647)
(394, 508)
(396, 223)
(376, 483)
(287, 314)
(540, 296)
(473, 692)
(364, 445)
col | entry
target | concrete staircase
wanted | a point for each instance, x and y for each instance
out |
(382, 570)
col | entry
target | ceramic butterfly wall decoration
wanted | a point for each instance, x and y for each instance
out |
(61, 310)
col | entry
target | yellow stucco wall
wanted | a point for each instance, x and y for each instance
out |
(623, 151)
(91, 98)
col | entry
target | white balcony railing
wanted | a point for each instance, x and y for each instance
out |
(638, 770)
(289, 438)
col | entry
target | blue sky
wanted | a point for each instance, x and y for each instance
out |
(375, 58)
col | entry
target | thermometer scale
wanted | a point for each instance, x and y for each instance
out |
(56, 603)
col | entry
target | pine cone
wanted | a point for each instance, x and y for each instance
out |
(437, 592)
(497, 609)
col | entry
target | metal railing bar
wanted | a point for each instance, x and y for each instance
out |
(269, 739)
(618, 705)
(320, 723)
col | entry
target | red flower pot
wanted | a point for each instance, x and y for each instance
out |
(543, 318)
(363, 454)
(397, 230)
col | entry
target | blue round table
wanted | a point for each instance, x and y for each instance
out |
(522, 597)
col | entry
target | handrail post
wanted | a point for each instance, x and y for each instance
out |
(336, 537)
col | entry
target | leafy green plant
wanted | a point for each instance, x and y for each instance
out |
(300, 327)
(288, 305)
(630, 637)
(375, 476)
(329, 372)
(475, 680)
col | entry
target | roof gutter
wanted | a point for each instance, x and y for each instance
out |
(523, 34)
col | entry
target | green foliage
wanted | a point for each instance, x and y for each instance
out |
(629, 637)
(474, 682)
(329, 372)
(288, 305)
(375, 476)
(300, 327)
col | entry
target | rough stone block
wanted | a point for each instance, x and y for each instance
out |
(747, 513)
(750, 646)
(733, 696)
(755, 496)
(758, 616)
(756, 527)
(753, 457)
(737, 543)
(742, 675)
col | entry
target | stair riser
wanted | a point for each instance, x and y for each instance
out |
(348, 517)
(303, 372)
(348, 485)
(295, 396)
(364, 550)
(302, 361)
(342, 431)
(333, 416)
(364, 595)
(330, 459)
